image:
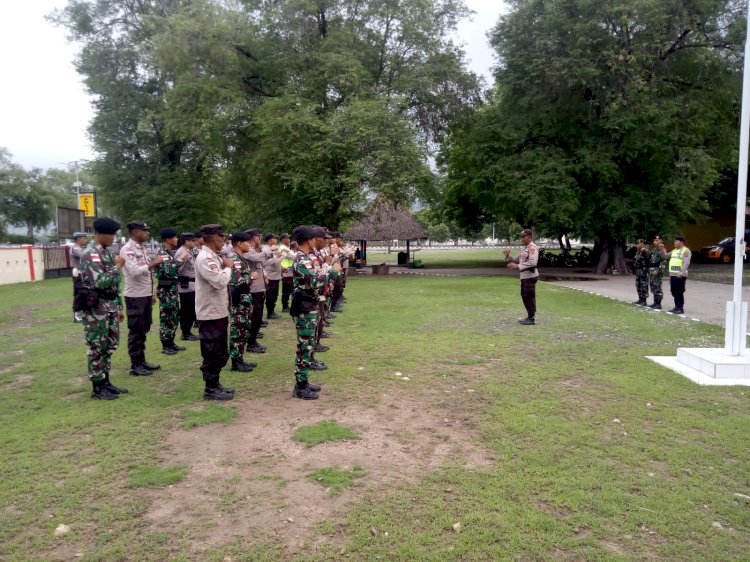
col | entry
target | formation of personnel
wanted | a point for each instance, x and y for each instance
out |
(649, 272)
(219, 282)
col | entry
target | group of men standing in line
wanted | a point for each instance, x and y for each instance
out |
(219, 282)
(649, 272)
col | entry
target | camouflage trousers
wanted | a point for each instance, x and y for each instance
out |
(654, 281)
(307, 326)
(101, 329)
(169, 313)
(641, 283)
(239, 328)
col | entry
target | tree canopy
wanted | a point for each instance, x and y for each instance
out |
(609, 119)
(267, 113)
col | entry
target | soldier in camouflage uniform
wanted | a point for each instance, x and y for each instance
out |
(309, 279)
(100, 303)
(167, 273)
(640, 264)
(656, 273)
(239, 314)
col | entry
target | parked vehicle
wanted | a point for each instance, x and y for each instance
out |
(722, 252)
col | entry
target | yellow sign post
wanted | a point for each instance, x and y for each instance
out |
(87, 204)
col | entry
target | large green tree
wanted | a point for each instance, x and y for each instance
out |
(610, 119)
(267, 112)
(26, 197)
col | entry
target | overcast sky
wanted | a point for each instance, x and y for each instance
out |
(44, 110)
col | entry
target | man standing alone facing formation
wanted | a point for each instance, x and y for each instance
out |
(526, 262)
(679, 261)
(139, 296)
(212, 275)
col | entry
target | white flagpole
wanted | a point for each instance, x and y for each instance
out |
(736, 328)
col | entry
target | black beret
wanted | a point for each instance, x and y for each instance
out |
(79, 235)
(322, 232)
(304, 233)
(680, 238)
(284, 235)
(211, 229)
(198, 234)
(527, 232)
(106, 225)
(240, 237)
(336, 234)
(166, 233)
(254, 232)
(138, 225)
(269, 236)
(187, 236)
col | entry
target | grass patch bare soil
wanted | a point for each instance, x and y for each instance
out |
(553, 442)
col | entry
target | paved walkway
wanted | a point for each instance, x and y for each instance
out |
(703, 301)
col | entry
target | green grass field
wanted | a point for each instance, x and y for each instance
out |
(599, 454)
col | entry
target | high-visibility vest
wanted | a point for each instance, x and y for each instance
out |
(676, 260)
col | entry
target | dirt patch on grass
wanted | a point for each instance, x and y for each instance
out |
(250, 479)
(21, 382)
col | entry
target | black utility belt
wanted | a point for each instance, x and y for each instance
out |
(529, 270)
(167, 283)
(107, 295)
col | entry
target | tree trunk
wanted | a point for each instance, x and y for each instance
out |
(389, 246)
(30, 229)
(560, 242)
(567, 243)
(612, 257)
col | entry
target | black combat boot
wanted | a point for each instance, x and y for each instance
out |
(252, 365)
(285, 309)
(263, 324)
(337, 308)
(139, 371)
(150, 366)
(320, 348)
(177, 347)
(101, 392)
(112, 388)
(640, 302)
(331, 316)
(527, 321)
(240, 366)
(226, 389)
(313, 387)
(217, 393)
(257, 348)
(259, 336)
(167, 350)
(302, 390)
(190, 337)
(273, 316)
(324, 335)
(676, 310)
(317, 365)
(656, 305)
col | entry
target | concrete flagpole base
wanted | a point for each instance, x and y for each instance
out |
(709, 367)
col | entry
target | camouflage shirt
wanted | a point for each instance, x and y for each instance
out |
(641, 259)
(309, 276)
(169, 268)
(241, 273)
(99, 273)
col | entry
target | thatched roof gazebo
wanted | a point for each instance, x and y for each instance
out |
(386, 221)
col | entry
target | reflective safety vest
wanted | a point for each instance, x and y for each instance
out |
(676, 260)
